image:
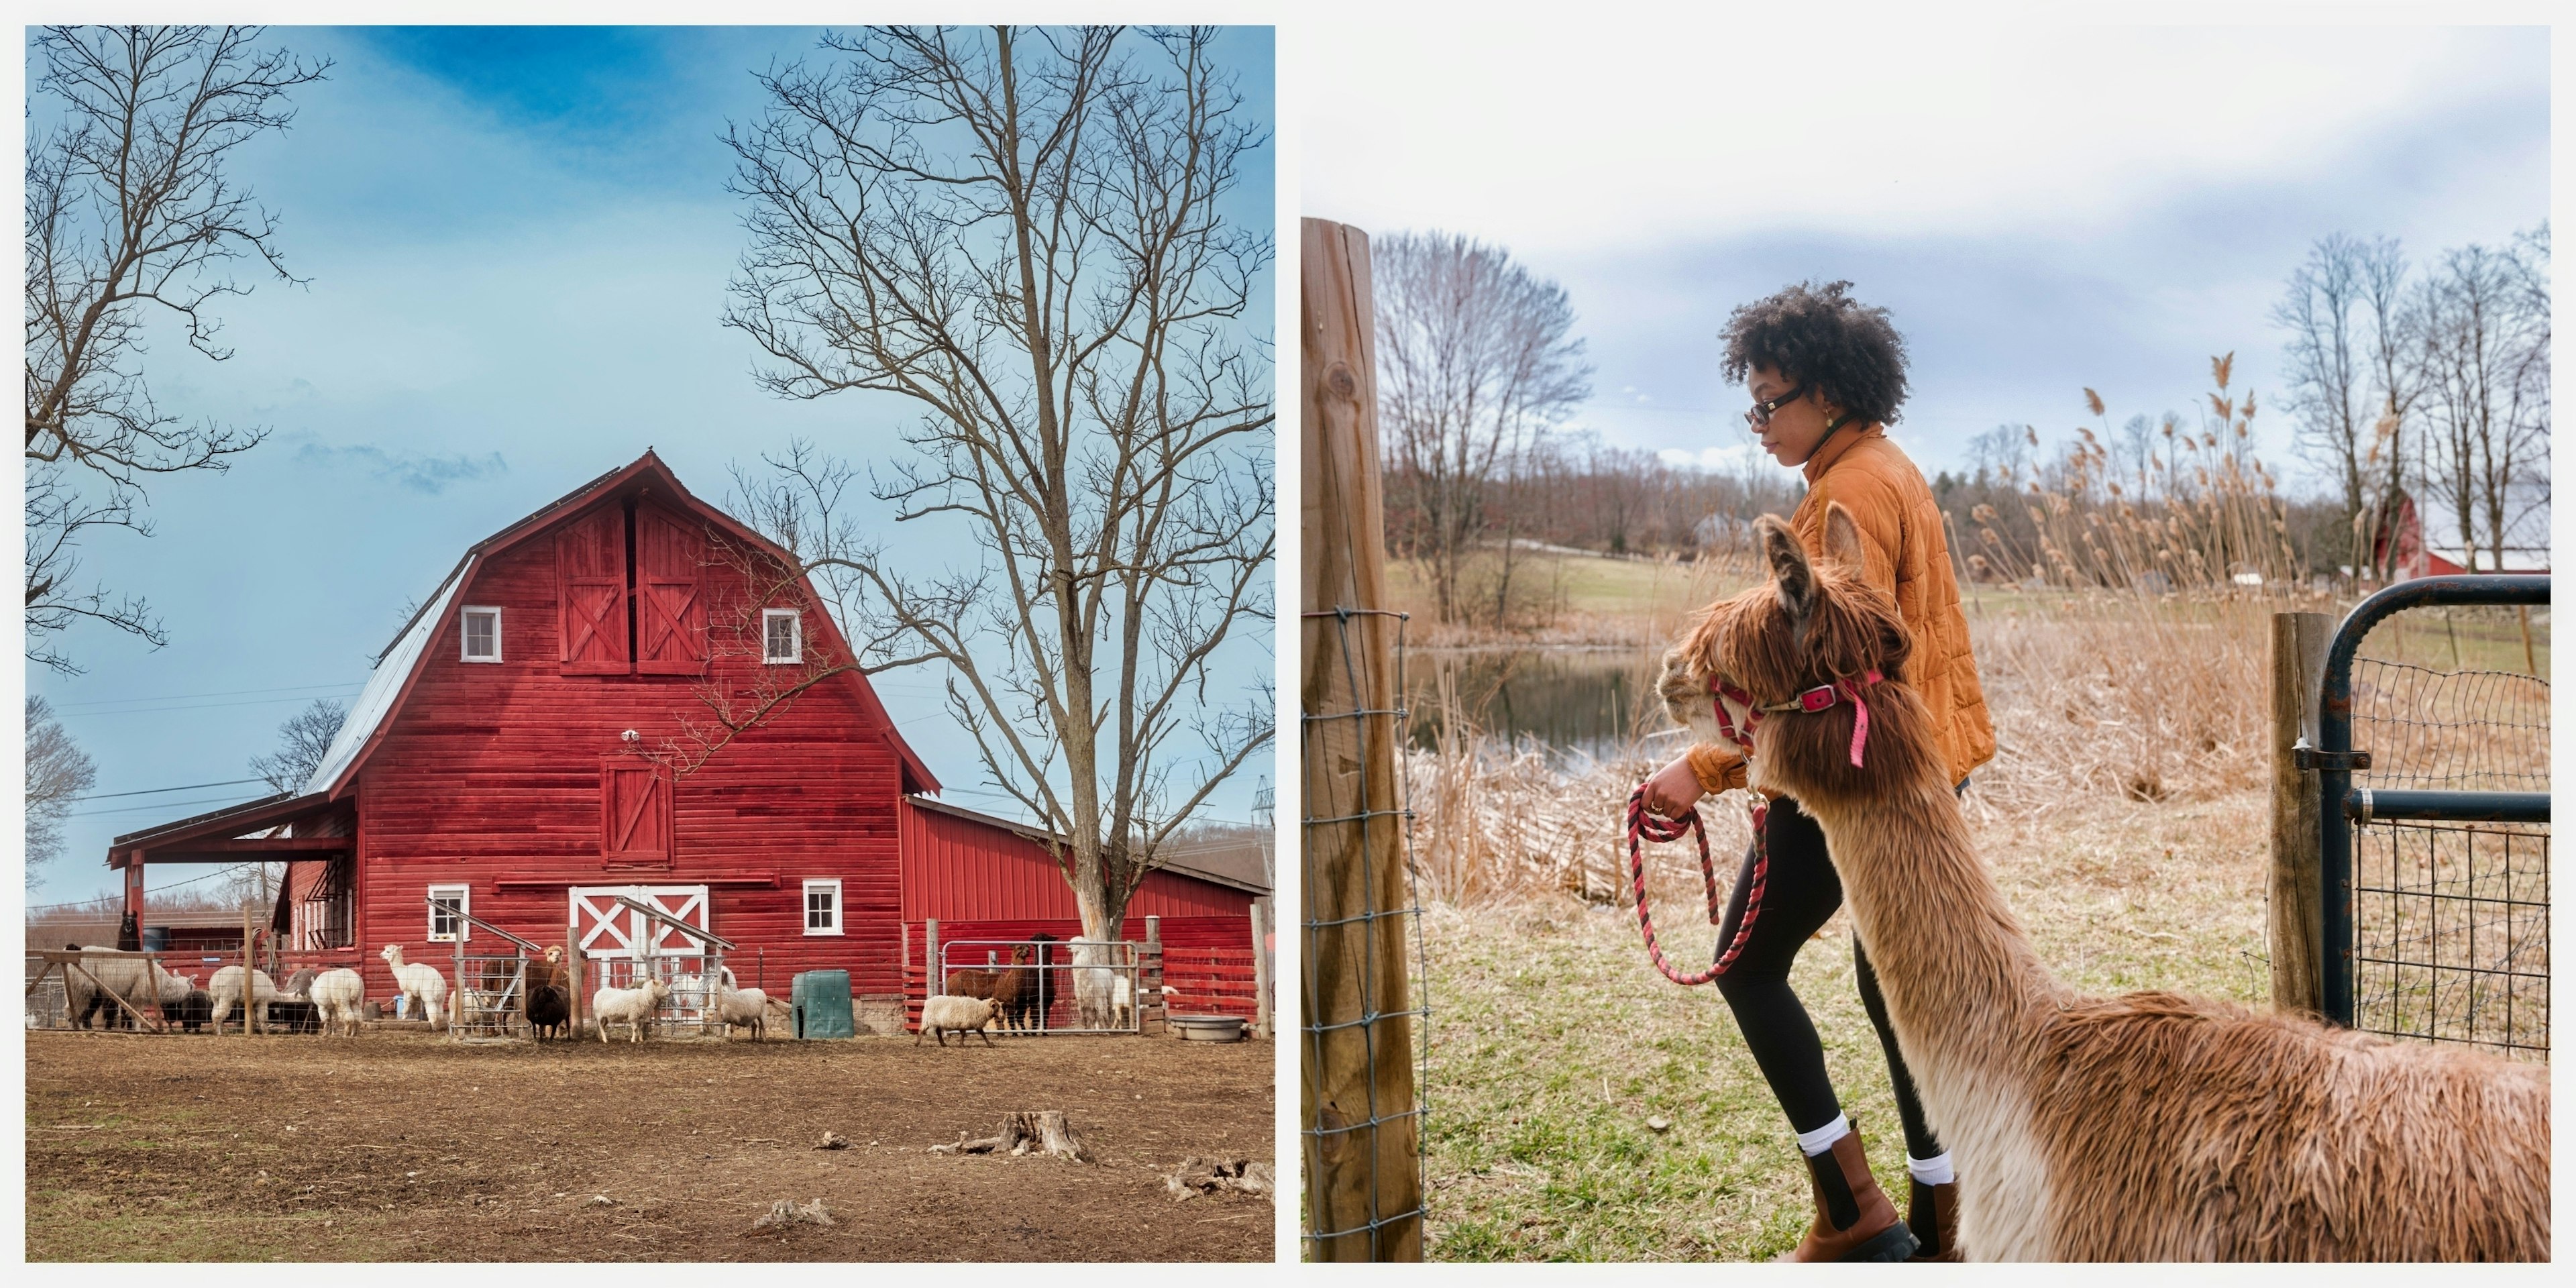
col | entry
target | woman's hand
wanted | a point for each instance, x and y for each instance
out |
(1674, 789)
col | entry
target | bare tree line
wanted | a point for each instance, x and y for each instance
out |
(2428, 381)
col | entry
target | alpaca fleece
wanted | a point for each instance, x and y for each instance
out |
(2147, 1127)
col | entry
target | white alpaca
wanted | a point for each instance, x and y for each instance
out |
(423, 985)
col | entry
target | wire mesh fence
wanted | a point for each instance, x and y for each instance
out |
(1344, 742)
(2451, 919)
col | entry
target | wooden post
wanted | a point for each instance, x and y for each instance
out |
(249, 979)
(1149, 976)
(1363, 1173)
(572, 977)
(2298, 898)
(933, 980)
(713, 977)
(1261, 968)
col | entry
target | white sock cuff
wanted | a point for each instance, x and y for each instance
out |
(1812, 1143)
(1931, 1171)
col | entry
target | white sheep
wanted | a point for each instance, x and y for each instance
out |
(225, 987)
(748, 1007)
(341, 996)
(945, 1013)
(632, 1005)
(86, 987)
(423, 985)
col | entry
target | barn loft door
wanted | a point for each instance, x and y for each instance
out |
(634, 815)
(610, 929)
(590, 581)
(670, 613)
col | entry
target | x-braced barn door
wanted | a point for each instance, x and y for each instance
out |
(621, 946)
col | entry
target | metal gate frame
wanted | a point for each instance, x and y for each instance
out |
(1127, 968)
(2342, 806)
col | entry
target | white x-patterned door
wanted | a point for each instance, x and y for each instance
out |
(610, 929)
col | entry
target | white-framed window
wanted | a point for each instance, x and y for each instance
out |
(448, 906)
(823, 906)
(782, 635)
(482, 628)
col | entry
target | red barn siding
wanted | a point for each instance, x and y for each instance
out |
(491, 776)
(960, 869)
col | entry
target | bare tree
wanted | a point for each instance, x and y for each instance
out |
(128, 212)
(1476, 363)
(2327, 363)
(2484, 363)
(301, 743)
(58, 772)
(1024, 233)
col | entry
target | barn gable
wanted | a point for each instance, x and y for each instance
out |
(672, 609)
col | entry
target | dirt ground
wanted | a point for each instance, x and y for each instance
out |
(409, 1147)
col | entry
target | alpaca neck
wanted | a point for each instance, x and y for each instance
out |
(1962, 985)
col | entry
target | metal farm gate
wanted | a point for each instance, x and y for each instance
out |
(1077, 986)
(2434, 833)
(628, 934)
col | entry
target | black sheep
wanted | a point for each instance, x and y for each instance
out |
(550, 1008)
(294, 1015)
(192, 1012)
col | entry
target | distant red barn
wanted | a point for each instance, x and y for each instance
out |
(520, 753)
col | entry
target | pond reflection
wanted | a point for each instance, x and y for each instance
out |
(1578, 703)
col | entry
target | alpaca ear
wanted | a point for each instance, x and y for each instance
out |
(1843, 546)
(1789, 567)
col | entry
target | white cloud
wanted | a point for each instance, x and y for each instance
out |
(1560, 135)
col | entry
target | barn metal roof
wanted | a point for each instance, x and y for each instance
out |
(385, 686)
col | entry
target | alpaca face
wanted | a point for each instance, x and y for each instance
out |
(1813, 623)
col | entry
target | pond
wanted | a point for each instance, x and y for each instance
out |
(1577, 703)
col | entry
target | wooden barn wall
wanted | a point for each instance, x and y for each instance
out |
(962, 870)
(491, 776)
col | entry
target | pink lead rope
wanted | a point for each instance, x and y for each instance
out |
(1644, 825)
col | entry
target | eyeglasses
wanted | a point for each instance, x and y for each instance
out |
(1760, 413)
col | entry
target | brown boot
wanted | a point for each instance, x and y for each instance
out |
(1932, 1213)
(1854, 1220)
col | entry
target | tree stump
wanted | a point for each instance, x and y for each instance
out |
(1044, 1131)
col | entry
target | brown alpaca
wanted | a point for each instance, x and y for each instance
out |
(2148, 1127)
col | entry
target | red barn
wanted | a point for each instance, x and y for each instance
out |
(538, 740)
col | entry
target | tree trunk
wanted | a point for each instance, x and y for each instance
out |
(1043, 1131)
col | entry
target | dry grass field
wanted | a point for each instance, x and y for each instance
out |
(409, 1147)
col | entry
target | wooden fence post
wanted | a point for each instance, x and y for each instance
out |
(572, 976)
(1149, 976)
(933, 980)
(249, 979)
(2297, 897)
(1261, 968)
(1363, 1173)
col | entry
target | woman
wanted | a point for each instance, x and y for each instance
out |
(1827, 376)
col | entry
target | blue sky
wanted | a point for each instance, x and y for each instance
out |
(2042, 207)
(518, 243)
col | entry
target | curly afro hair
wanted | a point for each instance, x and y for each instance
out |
(1821, 336)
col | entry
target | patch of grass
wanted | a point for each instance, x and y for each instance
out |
(68, 1226)
(1554, 1040)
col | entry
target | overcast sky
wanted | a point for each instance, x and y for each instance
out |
(2041, 208)
(518, 242)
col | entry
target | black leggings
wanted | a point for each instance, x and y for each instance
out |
(1799, 891)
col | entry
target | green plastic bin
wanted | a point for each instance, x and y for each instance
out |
(821, 999)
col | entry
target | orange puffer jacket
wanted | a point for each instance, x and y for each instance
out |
(1908, 556)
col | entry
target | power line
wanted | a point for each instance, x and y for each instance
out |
(149, 791)
(207, 706)
(76, 903)
(136, 809)
(191, 697)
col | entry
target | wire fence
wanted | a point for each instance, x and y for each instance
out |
(2451, 920)
(1338, 1133)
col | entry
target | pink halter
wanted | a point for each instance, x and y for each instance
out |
(1811, 701)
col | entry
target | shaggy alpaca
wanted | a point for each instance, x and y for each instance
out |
(2147, 1127)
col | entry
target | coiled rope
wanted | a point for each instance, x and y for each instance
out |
(1645, 825)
